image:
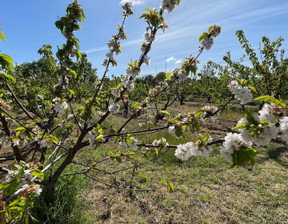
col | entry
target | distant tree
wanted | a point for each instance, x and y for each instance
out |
(268, 73)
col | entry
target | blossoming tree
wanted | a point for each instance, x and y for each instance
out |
(56, 130)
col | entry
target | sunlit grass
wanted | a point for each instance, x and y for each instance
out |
(207, 190)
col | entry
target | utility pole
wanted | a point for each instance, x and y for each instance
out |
(165, 65)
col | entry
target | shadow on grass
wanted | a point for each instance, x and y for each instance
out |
(276, 153)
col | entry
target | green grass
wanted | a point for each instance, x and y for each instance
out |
(206, 190)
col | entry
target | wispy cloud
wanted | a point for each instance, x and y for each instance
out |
(134, 2)
(171, 59)
(127, 43)
(179, 61)
(97, 49)
(176, 61)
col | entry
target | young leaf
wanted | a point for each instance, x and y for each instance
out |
(250, 118)
(6, 61)
(38, 173)
(170, 187)
(239, 126)
(271, 99)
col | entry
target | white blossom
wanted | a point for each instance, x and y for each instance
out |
(109, 54)
(114, 108)
(202, 151)
(38, 191)
(207, 43)
(148, 37)
(284, 128)
(166, 5)
(92, 137)
(10, 176)
(59, 107)
(266, 113)
(121, 31)
(284, 124)
(171, 129)
(147, 60)
(183, 151)
(42, 142)
(160, 142)
(242, 93)
(39, 97)
(27, 177)
(232, 142)
(116, 92)
(133, 72)
(263, 137)
(105, 62)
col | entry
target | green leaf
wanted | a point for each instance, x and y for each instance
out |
(253, 90)
(163, 181)
(2, 36)
(207, 199)
(10, 78)
(195, 125)
(239, 126)
(165, 112)
(250, 118)
(19, 209)
(6, 61)
(271, 99)
(20, 129)
(201, 36)
(245, 155)
(38, 173)
(170, 187)
(144, 15)
(198, 113)
(206, 137)
(71, 92)
(178, 131)
(53, 139)
(149, 9)
(73, 73)
(264, 122)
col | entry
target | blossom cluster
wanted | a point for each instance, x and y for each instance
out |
(127, 10)
(232, 142)
(259, 133)
(284, 129)
(168, 5)
(128, 143)
(207, 38)
(59, 105)
(24, 173)
(242, 93)
(114, 108)
(190, 65)
(185, 151)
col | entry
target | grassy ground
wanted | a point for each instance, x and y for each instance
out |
(205, 190)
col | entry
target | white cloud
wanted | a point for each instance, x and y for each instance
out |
(176, 61)
(134, 2)
(179, 61)
(171, 59)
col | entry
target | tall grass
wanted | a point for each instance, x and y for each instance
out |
(65, 207)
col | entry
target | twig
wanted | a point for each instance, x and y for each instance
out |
(19, 103)
(14, 119)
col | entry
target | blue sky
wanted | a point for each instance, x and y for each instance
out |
(30, 24)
